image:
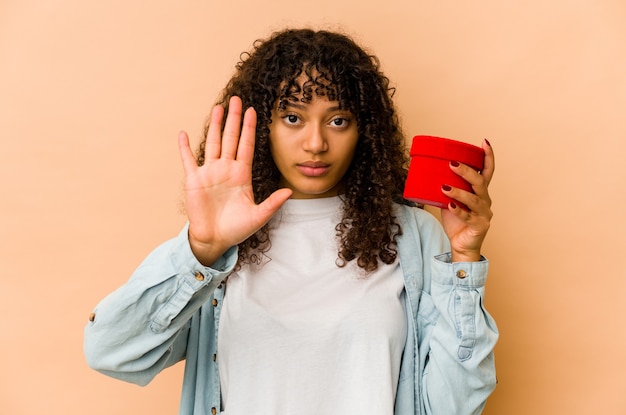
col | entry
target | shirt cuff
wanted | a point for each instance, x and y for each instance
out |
(185, 261)
(467, 274)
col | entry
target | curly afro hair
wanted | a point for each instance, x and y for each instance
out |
(270, 76)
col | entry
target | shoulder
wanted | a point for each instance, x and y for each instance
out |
(422, 227)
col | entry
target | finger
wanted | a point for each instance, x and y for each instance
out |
(478, 204)
(489, 163)
(471, 176)
(230, 136)
(245, 150)
(213, 145)
(186, 155)
(458, 211)
(466, 199)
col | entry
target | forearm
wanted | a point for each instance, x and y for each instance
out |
(140, 328)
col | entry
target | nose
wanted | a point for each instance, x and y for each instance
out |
(315, 141)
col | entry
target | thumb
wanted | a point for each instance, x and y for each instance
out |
(270, 206)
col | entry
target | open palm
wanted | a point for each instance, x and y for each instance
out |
(219, 197)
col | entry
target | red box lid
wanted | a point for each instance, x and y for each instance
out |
(447, 149)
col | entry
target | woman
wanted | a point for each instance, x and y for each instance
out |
(301, 283)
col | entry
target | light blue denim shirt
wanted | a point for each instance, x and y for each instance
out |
(169, 310)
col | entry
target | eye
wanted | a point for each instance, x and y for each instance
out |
(340, 122)
(291, 119)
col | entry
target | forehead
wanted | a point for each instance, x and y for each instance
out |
(305, 86)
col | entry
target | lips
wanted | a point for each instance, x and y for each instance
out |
(313, 168)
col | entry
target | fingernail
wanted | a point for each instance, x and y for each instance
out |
(446, 188)
(454, 163)
(488, 143)
(453, 205)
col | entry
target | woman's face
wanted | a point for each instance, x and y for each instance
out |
(313, 145)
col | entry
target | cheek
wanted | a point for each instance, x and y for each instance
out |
(284, 145)
(348, 150)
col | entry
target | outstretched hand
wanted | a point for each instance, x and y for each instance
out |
(467, 228)
(219, 198)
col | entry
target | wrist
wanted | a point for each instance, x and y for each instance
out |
(471, 256)
(205, 253)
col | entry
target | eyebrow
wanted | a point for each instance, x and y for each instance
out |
(299, 106)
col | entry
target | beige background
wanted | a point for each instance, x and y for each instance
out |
(92, 95)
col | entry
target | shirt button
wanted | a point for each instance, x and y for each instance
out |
(213, 410)
(199, 276)
(214, 302)
(214, 357)
(92, 317)
(461, 274)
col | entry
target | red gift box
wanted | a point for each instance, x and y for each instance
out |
(430, 168)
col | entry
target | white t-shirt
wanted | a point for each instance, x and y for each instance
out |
(300, 335)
